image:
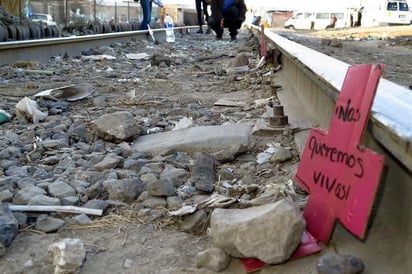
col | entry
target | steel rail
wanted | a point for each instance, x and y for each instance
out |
(42, 49)
(311, 83)
(317, 79)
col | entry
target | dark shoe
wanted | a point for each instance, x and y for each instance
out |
(233, 38)
(208, 31)
(218, 37)
(199, 31)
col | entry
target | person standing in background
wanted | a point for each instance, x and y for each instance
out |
(147, 12)
(227, 14)
(202, 14)
(333, 20)
(312, 21)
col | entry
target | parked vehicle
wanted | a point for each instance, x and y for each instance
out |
(386, 12)
(46, 19)
(318, 20)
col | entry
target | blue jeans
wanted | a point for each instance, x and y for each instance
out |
(147, 13)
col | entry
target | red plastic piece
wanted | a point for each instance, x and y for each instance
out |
(308, 245)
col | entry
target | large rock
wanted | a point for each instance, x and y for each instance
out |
(269, 232)
(125, 190)
(203, 174)
(110, 161)
(161, 188)
(44, 200)
(67, 256)
(209, 139)
(60, 189)
(24, 195)
(117, 127)
(48, 224)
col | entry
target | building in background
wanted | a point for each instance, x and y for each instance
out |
(119, 11)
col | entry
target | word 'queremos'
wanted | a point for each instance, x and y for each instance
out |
(335, 155)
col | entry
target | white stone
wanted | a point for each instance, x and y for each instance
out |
(67, 255)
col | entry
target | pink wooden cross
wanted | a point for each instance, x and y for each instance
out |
(340, 174)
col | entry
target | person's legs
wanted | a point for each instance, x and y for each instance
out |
(215, 26)
(199, 15)
(147, 13)
(206, 14)
(233, 26)
(232, 22)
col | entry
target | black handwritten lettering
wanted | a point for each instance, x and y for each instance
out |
(336, 156)
(348, 113)
(316, 176)
(360, 163)
(340, 190)
(330, 187)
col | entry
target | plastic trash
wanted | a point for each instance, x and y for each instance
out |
(4, 116)
(69, 93)
(28, 109)
(183, 123)
(168, 24)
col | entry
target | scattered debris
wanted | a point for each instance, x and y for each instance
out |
(4, 116)
(138, 56)
(229, 103)
(184, 210)
(69, 93)
(27, 109)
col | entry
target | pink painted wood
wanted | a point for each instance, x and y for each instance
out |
(263, 42)
(340, 174)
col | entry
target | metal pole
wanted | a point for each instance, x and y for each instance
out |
(20, 13)
(94, 10)
(66, 12)
(115, 12)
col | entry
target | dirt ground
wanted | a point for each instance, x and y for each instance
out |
(390, 45)
(121, 243)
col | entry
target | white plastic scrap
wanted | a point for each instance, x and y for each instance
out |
(138, 56)
(184, 210)
(101, 57)
(263, 102)
(183, 123)
(29, 109)
(265, 156)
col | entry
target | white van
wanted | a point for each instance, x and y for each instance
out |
(46, 19)
(321, 19)
(386, 13)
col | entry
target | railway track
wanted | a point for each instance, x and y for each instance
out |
(43, 49)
